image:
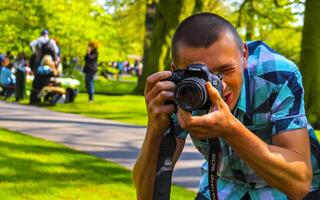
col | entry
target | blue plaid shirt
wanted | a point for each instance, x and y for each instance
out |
(270, 102)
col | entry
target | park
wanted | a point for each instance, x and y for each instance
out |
(76, 93)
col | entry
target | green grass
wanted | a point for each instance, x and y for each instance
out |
(32, 168)
(129, 109)
(114, 106)
(125, 85)
(104, 86)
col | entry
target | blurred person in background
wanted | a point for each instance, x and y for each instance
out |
(91, 67)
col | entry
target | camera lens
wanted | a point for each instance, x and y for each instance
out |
(191, 94)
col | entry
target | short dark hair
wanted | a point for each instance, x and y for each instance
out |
(202, 30)
(45, 32)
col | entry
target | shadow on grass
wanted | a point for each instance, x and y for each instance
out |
(55, 167)
(31, 167)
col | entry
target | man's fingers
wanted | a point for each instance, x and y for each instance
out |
(198, 132)
(168, 109)
(214, 95)
(194, 121)
(158, 88)
(195, 125)
(188, 119)
(154, 78)
(161, 110)
(162, 97)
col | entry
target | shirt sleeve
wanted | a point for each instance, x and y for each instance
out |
(33, 44)
(287, 111)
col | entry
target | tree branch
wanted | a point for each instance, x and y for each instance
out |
(276, 24)
(240, 13)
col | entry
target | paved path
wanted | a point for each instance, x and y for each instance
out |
(110, 140)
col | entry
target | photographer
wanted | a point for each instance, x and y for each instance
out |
(267, 149)
(91, 67)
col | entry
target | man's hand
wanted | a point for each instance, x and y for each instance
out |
(216, 123)
(156, 93)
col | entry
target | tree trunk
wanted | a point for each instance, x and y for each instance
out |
(310, 59)
(161, 20)
(249, 30)
(198, 6)
(250, 24)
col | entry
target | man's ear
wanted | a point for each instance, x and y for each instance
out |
(245, 55)
(173, 66)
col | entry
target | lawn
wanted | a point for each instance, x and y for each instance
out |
(116, 86)
(112, 86)
(127, 108)
(318, 135)
(33, 168)
(114, 106)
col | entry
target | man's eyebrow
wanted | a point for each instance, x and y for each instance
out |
(224, 66)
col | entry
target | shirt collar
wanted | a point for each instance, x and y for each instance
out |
(244, 99)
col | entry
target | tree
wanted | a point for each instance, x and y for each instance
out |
(161, 21)
(273, 21)
(310, 60)
(74, 23)
(128, 28)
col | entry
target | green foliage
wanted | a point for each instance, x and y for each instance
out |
(162, 18)
(74, 24)
(318, 135)
(121, 26)
(33, 168)
(129, 29)
(275, 22)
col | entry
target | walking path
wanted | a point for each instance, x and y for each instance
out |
(110, 140)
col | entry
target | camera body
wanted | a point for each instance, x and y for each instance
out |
(190, 93)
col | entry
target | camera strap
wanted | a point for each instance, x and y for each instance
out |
(162, 185)
(214, 154)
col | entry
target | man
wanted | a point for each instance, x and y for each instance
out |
(259, 119)
(43, 45)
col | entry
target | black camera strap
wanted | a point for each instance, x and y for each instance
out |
(214, 154)
(162, 185)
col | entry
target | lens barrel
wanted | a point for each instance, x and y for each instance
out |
(191, 94)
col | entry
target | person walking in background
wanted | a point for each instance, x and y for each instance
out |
(90, 68)
(21, 69)
(42, 46)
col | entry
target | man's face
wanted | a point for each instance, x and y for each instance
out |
(222, 57)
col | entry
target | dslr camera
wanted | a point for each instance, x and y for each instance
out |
(190, 93)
